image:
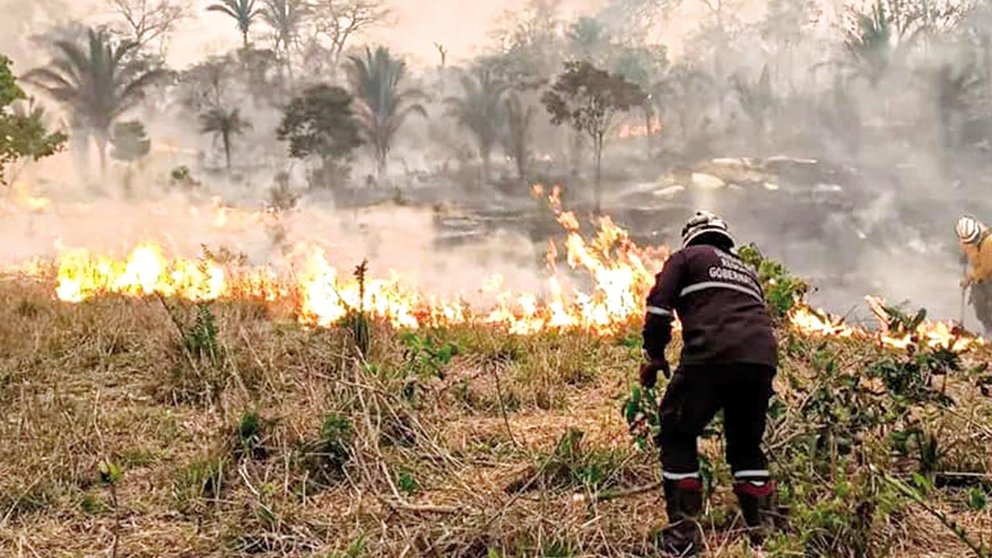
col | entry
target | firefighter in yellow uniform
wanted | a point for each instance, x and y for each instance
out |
(977, 247)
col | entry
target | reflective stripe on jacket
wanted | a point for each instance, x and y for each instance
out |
(720, 303)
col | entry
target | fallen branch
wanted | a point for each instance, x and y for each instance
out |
(615, 494)
(421, 508)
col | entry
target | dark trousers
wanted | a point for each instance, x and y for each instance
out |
(693, 397)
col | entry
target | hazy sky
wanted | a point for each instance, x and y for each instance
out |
(463, 26)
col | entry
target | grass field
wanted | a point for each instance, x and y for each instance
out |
(150, 428)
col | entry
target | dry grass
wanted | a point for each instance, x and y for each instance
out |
(430, 451)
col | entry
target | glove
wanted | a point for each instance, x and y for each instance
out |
(649, 372)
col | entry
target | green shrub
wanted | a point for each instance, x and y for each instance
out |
(326, 457)
(782, 289)
(249, 436)
(201, 339)
(197, 484)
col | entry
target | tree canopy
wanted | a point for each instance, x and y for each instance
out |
(23, 134)
(321, 123)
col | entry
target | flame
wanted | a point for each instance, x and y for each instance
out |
(931, 334)
(600, 289)
(627, 131)
(812, 321)
(146, 271)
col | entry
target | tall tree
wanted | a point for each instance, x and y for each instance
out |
(782, 33)
(870, 44)
(148, 21)
(688, 89)
(22, 133)
(589, 40)
(224, 125)
(285, 18)
(321, 123)
(588, 99)
(243, 12)
(881, 37)
(517, 139)
(480, 111)
(207, 84)
(130, 144)
(383, 103)
(338, 21)
(757, 101)
(96, 82)
(645, 66)
(635, 19)
(533, 44)
(954, 90)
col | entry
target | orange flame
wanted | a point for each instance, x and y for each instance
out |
(602, 289)
(627, 131)
(932, 334)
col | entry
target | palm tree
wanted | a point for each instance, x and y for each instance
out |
(97, 82)
(684, 87)
(224, 124)
(480, 111)
(879, 38)
(756, 100)
(284, 17)
(954, 89)
(243, 11)
(383, 104)
(519, 117)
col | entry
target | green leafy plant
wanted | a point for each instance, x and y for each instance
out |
(978, 499)
(640, 410)
(23, 135)
(197, 484)
(326, 457)
(357, 548)
(407, 483)
(201, 339)
(425, 356)
(782, 289)
(249, 436)
(570, 465)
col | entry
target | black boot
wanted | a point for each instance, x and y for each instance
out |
(757, 501)
(684, 504)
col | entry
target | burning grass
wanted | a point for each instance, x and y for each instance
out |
(233, 431)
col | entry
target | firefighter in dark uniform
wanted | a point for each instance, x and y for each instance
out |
(728, 360)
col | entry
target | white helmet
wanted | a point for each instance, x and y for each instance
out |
(704, 222)
(969, 229)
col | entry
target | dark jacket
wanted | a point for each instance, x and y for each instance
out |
(719, 301)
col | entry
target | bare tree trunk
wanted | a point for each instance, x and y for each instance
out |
(128, 181)
(227, 149)
(101, 148)
(597, 185)
(380, 163)
(486, 166)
